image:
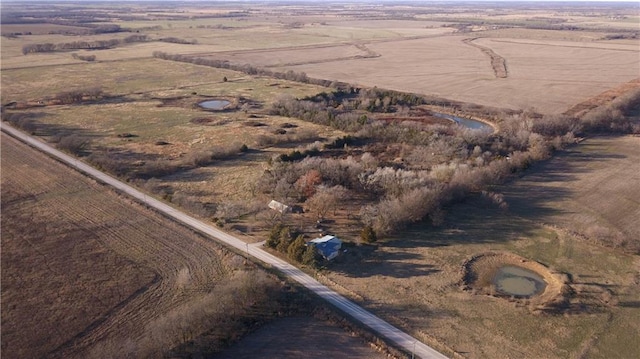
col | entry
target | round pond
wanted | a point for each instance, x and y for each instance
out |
(519, 282)
(214, 104)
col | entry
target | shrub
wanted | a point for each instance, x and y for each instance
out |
(310, 257)
(74, 144)
(296, 249)
(368, 235)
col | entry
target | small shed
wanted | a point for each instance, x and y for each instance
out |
(328, 246)
(280, 207)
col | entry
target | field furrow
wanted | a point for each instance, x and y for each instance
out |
(100, 232)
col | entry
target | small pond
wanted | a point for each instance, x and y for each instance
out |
(466, 122)
(519, 282)
(214, 104)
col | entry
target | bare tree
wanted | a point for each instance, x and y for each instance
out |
(325, 199)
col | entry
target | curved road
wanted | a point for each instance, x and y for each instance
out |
(381, 327)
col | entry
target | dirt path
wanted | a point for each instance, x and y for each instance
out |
(498, 63)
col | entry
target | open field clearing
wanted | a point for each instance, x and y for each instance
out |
(414, 281)
(154, 77)
(546, 77)
(591, 190)
(154, 101)
(288, 57)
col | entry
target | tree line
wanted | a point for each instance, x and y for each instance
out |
(246, 68)
(83, 45)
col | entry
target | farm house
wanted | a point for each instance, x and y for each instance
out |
(328, 246)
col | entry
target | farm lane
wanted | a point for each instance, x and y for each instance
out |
(381, 327)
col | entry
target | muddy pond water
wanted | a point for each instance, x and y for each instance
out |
(214, 104)
(466, 122)
(519, 282)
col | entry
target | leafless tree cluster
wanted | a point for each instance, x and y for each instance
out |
(411, 171)
(156, 168)
(77, 96)
(175, 40)
(615, 116)
(80, 45)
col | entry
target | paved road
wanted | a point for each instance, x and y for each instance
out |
(400, 338)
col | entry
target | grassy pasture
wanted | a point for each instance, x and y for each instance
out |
(417, 278)
(142, 76)
(141, 85)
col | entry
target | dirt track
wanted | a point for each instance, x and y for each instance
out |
(126, 231)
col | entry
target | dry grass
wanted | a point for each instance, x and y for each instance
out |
(413, 281)
(590, 189)
(417, 274)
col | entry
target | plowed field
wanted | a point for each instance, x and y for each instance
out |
(80, 264)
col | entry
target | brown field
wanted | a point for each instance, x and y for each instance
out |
(546, 77)
(591, 190)
(549, 70)
(63, 236)
(583, 198)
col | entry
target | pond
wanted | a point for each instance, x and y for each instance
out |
(466, 122)
(214, 104)
(519, 282)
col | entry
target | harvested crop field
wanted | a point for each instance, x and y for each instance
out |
(590, 189)
(546, 76)
(94, 266)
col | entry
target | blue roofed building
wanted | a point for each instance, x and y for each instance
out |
(328, 246)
